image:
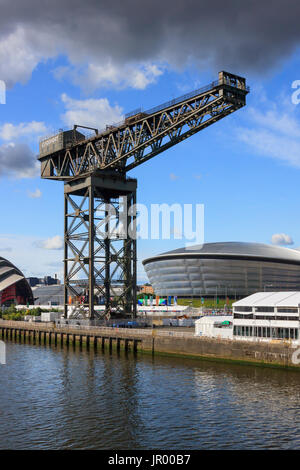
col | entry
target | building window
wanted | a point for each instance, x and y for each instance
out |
(243, 309)
(241, 315)
(266, 332)
(287, 310)
(264, 309)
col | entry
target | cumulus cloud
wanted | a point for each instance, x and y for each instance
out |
(90, 112)
(19, 52)
(52, 243)
(137, 76)
(18, 160)
(281, 239)
(243, 36)
(36, 194)
(10, 131)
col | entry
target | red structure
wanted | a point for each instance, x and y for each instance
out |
(14, 288)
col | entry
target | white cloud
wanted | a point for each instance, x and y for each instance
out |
(278, 118)
(273, 133)
(173, 177)
(53, 243)
(90, 112)
(25, 253)
(281, 239)
(137, 76)
(18, 160)
(10, 131)
(18, 57)
(36, 194)
(16, 157)
(271, 144)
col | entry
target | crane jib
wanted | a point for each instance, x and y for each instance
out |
(142, 134)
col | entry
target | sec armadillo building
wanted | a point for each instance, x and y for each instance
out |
(14, 289)
(233, 269)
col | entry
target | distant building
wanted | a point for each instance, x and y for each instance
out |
(14, 288)
(53, 294)
(50, 281)
(146, 289)
(33, 281)
(233, 269)
(214, 326)
(267, 316)
(46, 281)
(48, 295)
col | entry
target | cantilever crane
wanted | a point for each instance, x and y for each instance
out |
(94, 171)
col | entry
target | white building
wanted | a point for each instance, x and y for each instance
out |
(267, 316)
(219, 326)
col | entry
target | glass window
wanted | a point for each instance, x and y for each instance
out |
(264, 309)
(243, 309)
(287, 310)
(241, 315)
(287, 333)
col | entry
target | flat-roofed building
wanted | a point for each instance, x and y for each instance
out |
(267, 316)
(214, 326)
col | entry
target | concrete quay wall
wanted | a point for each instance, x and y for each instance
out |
(154, 341)
(260, 353)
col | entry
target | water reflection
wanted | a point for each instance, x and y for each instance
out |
(54, 398)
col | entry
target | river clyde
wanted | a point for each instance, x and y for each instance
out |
(60, 398)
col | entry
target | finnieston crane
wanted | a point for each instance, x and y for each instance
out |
(96, 255)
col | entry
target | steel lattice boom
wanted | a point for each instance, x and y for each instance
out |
(94, 170)
(140, 137)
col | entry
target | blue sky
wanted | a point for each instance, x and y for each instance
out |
(245, 169)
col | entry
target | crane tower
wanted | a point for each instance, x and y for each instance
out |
(99, 197)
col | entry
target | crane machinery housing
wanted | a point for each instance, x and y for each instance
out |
(99, 253)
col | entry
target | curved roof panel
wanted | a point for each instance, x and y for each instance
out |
(233, 250)
(9, 274)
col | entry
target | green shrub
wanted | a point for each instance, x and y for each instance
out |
(12, 316)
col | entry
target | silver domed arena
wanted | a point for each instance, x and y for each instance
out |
(232, 269)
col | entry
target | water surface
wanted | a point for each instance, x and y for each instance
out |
(54, 398)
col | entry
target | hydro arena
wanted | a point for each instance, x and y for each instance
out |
(14, 289)
(233, 269)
